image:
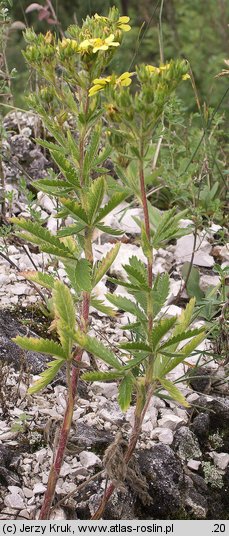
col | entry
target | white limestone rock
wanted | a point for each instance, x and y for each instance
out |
(89, 459)
(184, 248)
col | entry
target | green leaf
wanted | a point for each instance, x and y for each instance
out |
(136, 346)
(47, 376)
(76, 210)
(184, 320)
(181, 337)
(94, 198)
(42, 237)
(109, 230)
(113, 202)
(103, 266)
(55, 187)
(137, 272)
(100, 306)
(45, 280)
(160, 292)
(71, 230)
(147, 247)
(83, 275)
(125, 392)
(126, 305)
(44, 346)
(66, 168)
(161, 329)
(91, 152)
(95, 347)
(101, 376)
(173, 391)
(193, 283)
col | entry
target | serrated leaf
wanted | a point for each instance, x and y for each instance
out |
(126, 305)
(161, 329)
(55, 187)
(185, 318)
(181, 337)
(137, 272)
(98, 349)
(173, 391)
(101, 376)
(103, 266)
(45, 280)
(160, 293)
(47, 376)
(76, 210)
(83, 275)
(113, 202)
(125, 392)
(94, 198)
(147, 247)
(133, 346)
(109, 230)
(100, 306)
(91, 152)
(44, 346)
(51, 146)
(71, 229)
(42, 237)
(66, 168)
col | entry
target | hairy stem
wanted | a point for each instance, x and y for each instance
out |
(73, 383)
(139, 411)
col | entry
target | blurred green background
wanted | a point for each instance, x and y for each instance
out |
(194, 29)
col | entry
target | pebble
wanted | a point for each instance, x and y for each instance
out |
(221, 459)
(89, 459)
(14, 500)
(39, 488)
(194, 465)
(171, 421)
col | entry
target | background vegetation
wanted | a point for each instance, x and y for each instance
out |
(195, 30)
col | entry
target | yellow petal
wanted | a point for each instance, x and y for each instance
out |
(94, 90)
(109, 39)
(126, 82)
(125, 75)
(101, 47)
(124, 27)
(186, 76)
(123, 19)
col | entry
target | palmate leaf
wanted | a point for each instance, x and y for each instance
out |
(109, 230)
(66, 168)
(181, 337)
(103, 266)
(42, 237)
(94, 198)
(165, 363)
(101, 376)
(173, 391)
(73, 229)
(137, 272)
(56, 187)
(76, 210)
(133, 346)
(45, 280)
(113, 202)
(83, 275)
(47, 376)
(44, 346)
(125, 392)
(100, 306)
(79, 275)
(95, 347)
(91, 152)
(64, 309)
(160, 292)
(126, 305)
(161, 329)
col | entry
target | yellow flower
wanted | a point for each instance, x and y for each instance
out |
(122, 24)
(84, 45)
(124, 79)
(186, 76)
(48, 37)
(165, 67)
(100, 83)
(104, 44)
(98, 17)
(152, 69)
